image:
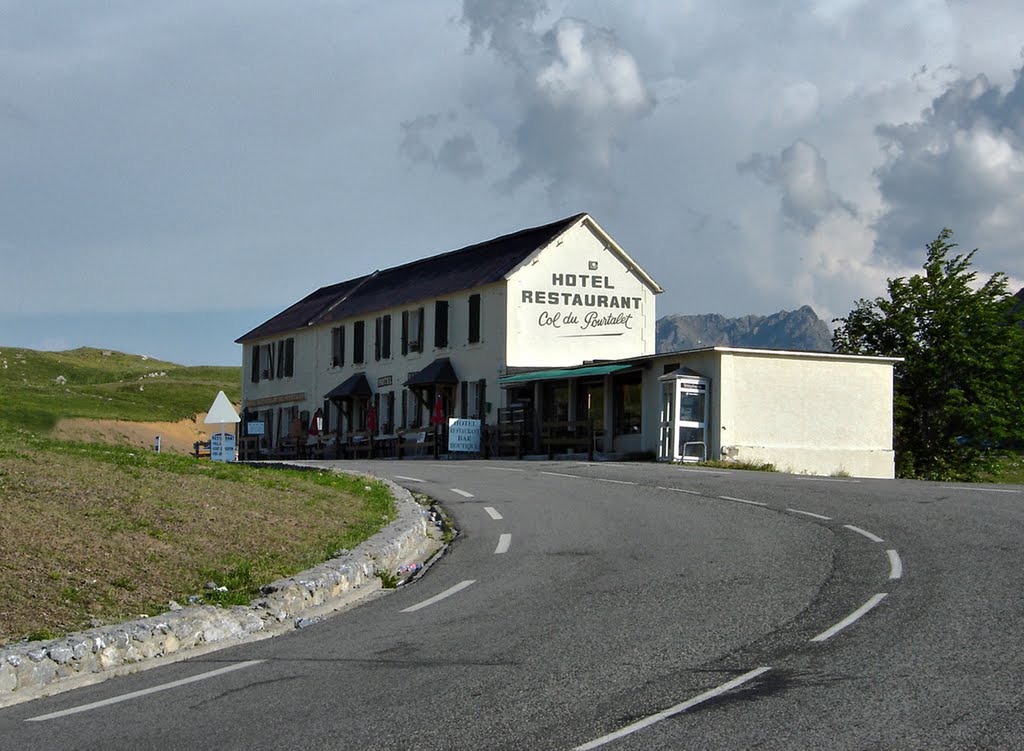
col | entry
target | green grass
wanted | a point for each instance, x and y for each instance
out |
(1009, 469)
(97, 532)
(39, 388)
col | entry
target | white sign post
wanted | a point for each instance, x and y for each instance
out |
(464, 435)
(222, 443)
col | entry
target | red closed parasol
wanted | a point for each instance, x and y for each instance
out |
(371, 420)
(438, 417)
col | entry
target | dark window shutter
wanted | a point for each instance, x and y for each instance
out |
(254, 376)
(280, 358)
(441, 323)
(405, 332)
(385, 346)
(289, 357)
(419, 331)
(270, 360)
(464, 412)
(481, 399)
(474, 318)
(376, 338)
(359, 342)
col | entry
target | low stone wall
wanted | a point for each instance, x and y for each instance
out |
(35, 667)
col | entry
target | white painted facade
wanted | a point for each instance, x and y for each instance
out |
(580, 297)
(804, 412)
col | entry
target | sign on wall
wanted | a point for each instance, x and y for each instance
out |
(464, 435)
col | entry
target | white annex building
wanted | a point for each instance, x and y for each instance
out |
(547, 336)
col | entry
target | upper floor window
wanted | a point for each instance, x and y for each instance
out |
(359, 342)
(441, 323)
(474, 318)
(382, 340)
(337, 346)
(273, 360)
(412, 331)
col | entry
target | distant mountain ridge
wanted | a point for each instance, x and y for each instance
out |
(799, 329)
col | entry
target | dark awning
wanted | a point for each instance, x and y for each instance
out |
(354, 385)
(438, 372)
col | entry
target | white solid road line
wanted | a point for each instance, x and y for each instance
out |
(617, 482)
(562, 474)
(859, 531)
(437, 598)
(980, 490)
(809, 513)
(741, 500)
(895, 565)
(410, 479)
(672, 711)
(145, 691)
(463, 493)
(505, 469)
(851, 618)
(493, 513)
(504, 541)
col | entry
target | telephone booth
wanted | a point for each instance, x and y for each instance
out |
(684, 417)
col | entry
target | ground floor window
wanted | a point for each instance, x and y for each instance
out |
(555, 401)
(627, 395)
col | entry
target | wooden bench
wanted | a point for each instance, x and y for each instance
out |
(574, 436)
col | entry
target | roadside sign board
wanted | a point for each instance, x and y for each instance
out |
(464, 435)
(222, 447)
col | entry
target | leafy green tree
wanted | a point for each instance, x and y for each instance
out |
(960, 388)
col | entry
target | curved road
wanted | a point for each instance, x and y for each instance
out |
(626, 606)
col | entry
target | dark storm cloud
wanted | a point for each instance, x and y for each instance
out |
(960, 166)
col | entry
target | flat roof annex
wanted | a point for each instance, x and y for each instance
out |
(467, 268)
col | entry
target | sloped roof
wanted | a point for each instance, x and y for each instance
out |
(439, 371)
(354, 385)
(466, 268)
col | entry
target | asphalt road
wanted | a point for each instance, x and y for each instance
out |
(626, 607)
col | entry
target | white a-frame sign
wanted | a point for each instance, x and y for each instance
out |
(222, 443)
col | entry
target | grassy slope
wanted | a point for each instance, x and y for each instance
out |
(99, 385)
(100, 533)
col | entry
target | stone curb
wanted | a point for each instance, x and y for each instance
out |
(33, 669)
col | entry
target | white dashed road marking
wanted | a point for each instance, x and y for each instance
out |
(410, 479)
(672, 711)
(437, 598)
(851, 618)
(859, 531)
(741, 500)
(895, 565)
(504, 541)
(561, 474)
(679, 490)
(492, 512)
(463, 493)
(617, 482)
(809, 513)
(145, 691)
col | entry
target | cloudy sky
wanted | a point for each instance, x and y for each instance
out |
(171, 174)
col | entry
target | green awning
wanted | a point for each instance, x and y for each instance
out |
(560, 373)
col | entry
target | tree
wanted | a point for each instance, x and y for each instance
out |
(959, 390)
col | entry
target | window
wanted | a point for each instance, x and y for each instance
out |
(337, 346)
(289, 357)
(474, 318)
(473, 399)
(441, 323)
(267, 369)
(412, 331)
(254, 374)
(382, 338)
(358, 342)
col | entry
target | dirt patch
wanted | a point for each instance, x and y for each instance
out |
(175, 437)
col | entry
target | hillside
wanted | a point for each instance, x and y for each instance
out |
(37, 389)
(799, 329)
